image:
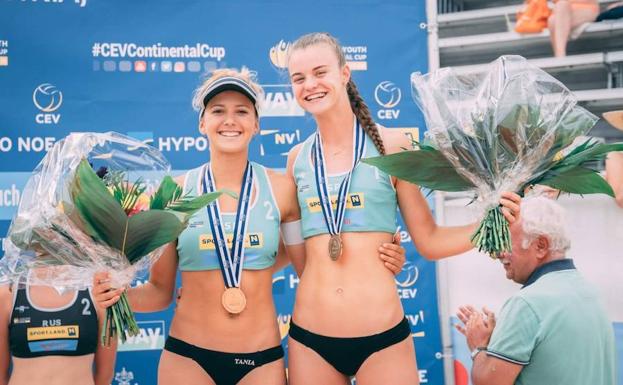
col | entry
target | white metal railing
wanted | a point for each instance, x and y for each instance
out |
(485, 13)
(506, 37)
(554, 63)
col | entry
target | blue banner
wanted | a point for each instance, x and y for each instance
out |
(131, 67)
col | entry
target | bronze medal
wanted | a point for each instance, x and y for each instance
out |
(335, 247)
(234, 300)
(335, 220)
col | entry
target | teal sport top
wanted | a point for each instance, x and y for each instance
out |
(371, 204)
(195, 246)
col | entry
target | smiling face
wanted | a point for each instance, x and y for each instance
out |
(318, 79)
(229, 122)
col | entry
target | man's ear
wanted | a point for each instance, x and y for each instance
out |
(542, 246)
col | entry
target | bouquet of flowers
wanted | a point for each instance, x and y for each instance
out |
(505, 131)
(74, 221)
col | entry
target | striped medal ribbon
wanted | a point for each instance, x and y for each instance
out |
(335, 220)
(231, 261)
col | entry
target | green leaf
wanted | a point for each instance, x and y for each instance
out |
(167, 192)
(587, 152)
(192, 205)
(427, 168)
(101, 214)
(579, 180)
(103, 218)
(149, 230)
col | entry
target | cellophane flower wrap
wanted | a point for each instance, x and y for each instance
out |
(96, 202)
(503, 130)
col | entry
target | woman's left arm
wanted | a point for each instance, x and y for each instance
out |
(104, 369)
(432, 241)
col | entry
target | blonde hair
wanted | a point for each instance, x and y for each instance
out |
(243, 74)
(357, 104)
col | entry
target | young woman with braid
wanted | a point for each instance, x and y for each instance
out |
(348, 319)
(224, 330)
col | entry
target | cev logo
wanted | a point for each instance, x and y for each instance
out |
(279, 54)
(387, 95)
(408, 276)
(47, 98)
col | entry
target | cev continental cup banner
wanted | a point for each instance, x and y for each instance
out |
(131, 67)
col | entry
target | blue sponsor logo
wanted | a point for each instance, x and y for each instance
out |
(53, 346)
(254, 239)
(277, 142)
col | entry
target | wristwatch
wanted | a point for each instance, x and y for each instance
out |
(477, 350)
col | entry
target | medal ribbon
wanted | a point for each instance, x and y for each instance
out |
(334, 221)
(230, 261)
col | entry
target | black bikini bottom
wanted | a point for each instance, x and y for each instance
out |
(224, 368)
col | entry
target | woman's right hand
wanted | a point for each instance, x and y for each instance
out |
(103, 294)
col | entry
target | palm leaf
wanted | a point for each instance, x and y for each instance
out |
(167, 192)
(102, 215)
(148, 230)
(426, 167)
(588, 151)
(191, 205)
(169, 197)
(131, 194)
(578, 180)
(579, 158)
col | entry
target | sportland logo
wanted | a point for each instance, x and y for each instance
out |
(279, 54)
(47, 98)
(387, 95)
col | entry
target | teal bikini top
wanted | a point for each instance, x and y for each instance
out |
(195, 246)
(371, 204)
